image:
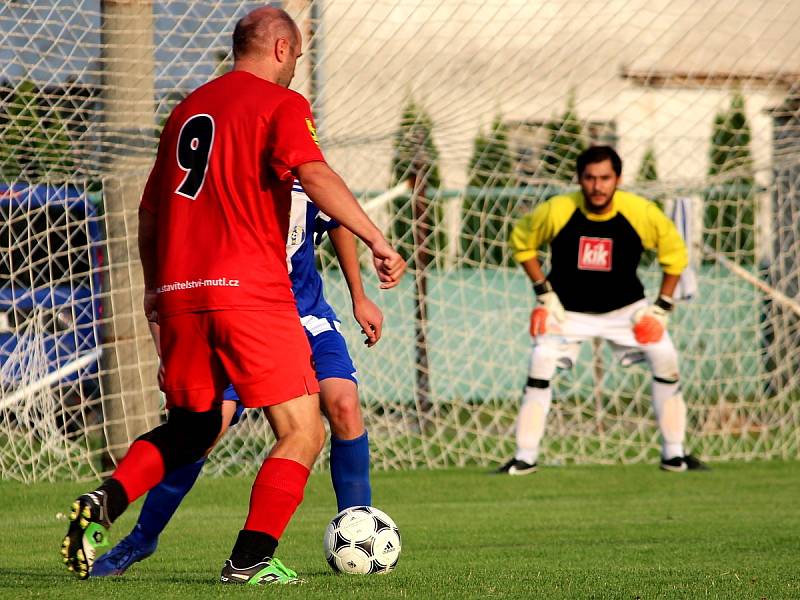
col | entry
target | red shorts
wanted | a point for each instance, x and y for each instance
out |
(264, 354)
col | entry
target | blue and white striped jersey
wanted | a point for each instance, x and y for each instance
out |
(307, 226)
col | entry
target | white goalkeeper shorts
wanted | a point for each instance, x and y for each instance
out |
(560, 350)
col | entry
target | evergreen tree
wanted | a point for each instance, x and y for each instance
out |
(565, 144)
(34, 143)
(491, 163)
(415, 155)
(730, 143)
(648, 170)
(487, 211)
(414, 149)
(730, 196)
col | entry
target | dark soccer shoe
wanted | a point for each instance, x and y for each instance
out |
(679, 464)
(268, 571)
(676, 464)
(516, 467)
(87, 533)
(695, 464)
(128, 551)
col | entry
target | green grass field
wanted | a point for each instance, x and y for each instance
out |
(566, 532)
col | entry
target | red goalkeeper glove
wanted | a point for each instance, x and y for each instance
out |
(548, 312)
(650, 322)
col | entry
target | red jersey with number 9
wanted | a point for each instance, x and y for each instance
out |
(221, 189)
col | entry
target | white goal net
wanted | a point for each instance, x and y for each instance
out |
(449, 119)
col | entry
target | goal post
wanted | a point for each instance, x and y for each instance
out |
(130, 401)
(700, 99)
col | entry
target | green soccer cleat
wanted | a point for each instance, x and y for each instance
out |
(87, 533)
(268, 571)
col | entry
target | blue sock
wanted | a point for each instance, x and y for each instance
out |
(350, 471)
(164, 499)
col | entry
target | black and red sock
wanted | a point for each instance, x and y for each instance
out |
(277, 492)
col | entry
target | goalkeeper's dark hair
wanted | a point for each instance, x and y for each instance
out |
(260, 27)
(596, 154)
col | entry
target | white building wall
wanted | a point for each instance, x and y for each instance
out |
(466, 61)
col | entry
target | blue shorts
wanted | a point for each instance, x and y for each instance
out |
(328, 351)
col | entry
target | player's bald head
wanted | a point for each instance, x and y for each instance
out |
(257, 32)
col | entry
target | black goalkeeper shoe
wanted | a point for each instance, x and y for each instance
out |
(679, 464)
(516, 467)
(695, 464)
(87, 533)
(675, 464)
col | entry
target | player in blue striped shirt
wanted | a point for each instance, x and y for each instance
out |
(349, 452)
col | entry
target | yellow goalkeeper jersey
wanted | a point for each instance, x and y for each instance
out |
(594, 257)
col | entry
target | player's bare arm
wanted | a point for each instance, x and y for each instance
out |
(533, 268)
(366, 313)
(330, 193)
(668, 284)
(327, 190)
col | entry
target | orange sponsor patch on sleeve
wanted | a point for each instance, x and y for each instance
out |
(313, 131)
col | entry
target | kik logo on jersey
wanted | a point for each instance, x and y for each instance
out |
(594, 254)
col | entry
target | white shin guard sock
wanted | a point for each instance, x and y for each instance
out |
(531, 421)
(671, 415)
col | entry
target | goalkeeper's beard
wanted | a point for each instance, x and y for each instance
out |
(599, 208)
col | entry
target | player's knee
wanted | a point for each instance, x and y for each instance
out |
(344, 415)
(159, 436)
(185, 437)
(541, 384)
(544, 360)
(664, 363)
(666, 372)
(308, 439)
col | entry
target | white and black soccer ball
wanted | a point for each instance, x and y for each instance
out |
(362, 539)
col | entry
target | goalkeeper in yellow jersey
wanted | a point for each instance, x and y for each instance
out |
(596, 238)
